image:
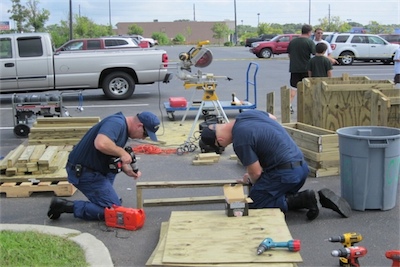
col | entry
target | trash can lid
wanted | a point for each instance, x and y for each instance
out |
(369, 132)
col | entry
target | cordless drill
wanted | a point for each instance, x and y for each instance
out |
(350, 253)
(268, 243)
(348, 240)
(115, 164)
(394, 255)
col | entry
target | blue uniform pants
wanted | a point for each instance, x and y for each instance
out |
(271, 188)
(99, 190)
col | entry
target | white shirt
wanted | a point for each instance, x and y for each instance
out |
(329, 50)
(397, 63)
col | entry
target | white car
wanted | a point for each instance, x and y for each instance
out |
(348, 47)
(140, 38)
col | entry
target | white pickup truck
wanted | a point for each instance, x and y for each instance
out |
(29, 63)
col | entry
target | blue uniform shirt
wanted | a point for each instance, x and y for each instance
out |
(255, 136)
(84, 153)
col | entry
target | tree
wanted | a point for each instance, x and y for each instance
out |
(36, 18)
(161, 38)
(18, 14)
(265, 28)
(334, 24)
(376, 28)
(86, 28)
(135, 29)
(221, 31)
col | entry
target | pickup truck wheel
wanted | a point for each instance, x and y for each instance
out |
(346, 58)
(266, 53)
(118, 85)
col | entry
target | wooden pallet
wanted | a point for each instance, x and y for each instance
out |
(25, 189)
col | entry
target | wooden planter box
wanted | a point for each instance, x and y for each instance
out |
(319, 146)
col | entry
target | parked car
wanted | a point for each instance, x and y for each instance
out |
(140, 38)
(391, 38)
(97, 43)
(277, 45)
(262, 37)
(348, 47)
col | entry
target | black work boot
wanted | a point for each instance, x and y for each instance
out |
(330, 200)
(304, 200)
(58, 206)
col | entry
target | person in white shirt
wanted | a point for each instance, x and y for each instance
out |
(318, 39)
(396, 60)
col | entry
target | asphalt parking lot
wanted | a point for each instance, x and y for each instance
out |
(380, 229)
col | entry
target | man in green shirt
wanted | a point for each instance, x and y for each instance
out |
(300, 50)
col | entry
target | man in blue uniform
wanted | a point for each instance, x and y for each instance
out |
(88, 164)
(275, 165)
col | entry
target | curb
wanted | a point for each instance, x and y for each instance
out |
(96, 252)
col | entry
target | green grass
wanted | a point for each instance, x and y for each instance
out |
(30, 248)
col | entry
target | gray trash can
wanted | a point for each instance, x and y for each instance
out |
(369, 166)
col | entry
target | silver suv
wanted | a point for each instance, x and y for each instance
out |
(347, 47)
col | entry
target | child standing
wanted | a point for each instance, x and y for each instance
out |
(320, 65)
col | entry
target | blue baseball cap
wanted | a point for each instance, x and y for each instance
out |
(151, 123)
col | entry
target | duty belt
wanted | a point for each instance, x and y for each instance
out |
(289, 165)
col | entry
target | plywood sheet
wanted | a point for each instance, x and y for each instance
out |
(157, 255)
(210, 237)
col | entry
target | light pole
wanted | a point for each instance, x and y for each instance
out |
(235, 36)
(309, 12)
(109, 13)
(258, 23)
(70, 19)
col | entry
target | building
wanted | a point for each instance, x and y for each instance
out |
(194, 31)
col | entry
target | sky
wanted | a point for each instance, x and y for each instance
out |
(248, 12)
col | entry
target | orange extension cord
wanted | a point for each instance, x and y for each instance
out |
(152, 149)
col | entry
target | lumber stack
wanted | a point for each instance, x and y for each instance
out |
(33, 160)
(319, 146)
(57, 131)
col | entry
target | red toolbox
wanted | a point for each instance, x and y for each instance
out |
(177, 102)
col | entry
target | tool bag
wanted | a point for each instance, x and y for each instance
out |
(126, 218)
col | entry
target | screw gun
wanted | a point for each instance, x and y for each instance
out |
(394, 255)
(348, 240)
(268, 243)
(350, 253)
(115, 164)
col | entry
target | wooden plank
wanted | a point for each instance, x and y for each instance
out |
(183, 201)
(64, 120)
(54, 142)
(25, 156)
(215, 238)
(37, 153)
(184, 184)
(4, 162)
(285, 104)
(48, 155)
(49, 130)
(270, 103)
(199, 162)
(59, 161)
(323, 172)
(332, 155)
(15, 155)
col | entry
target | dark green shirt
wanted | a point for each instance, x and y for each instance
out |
(319, 66)
(300, 50)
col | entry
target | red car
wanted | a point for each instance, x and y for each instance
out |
(277, 45)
